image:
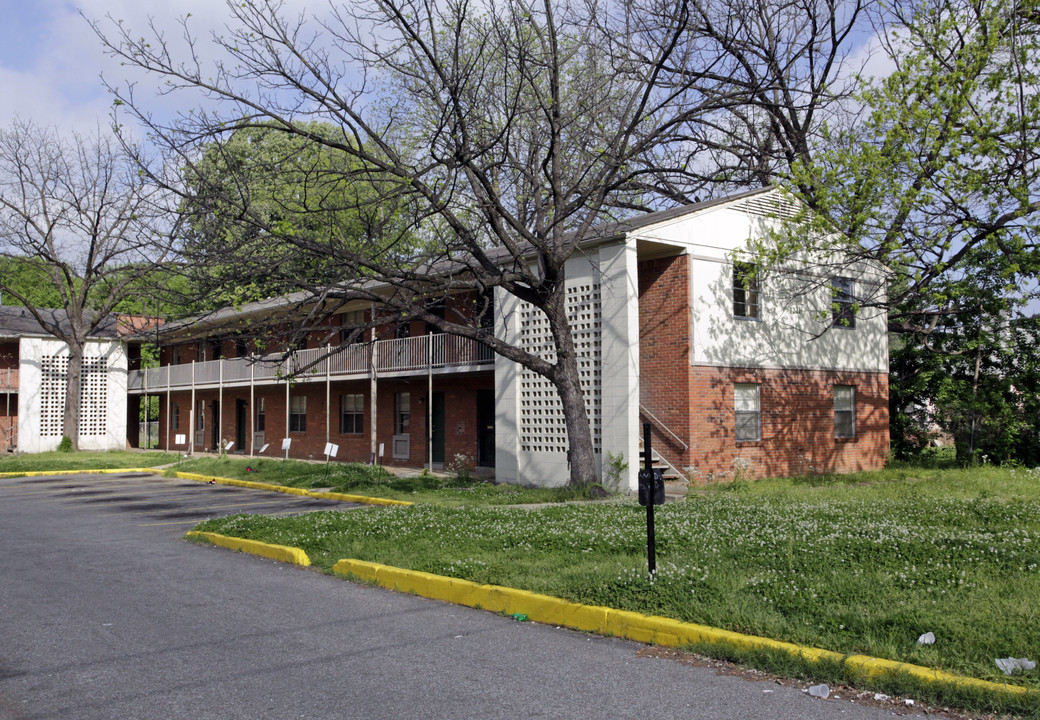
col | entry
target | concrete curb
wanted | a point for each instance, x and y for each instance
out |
(282, 553)
(341, 497)
(637, 626)
(109, 471)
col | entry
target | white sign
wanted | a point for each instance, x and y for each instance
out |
(180, 439)
(286, 442)
(381, 449)
(266, 445)
(227, 448)
(331, 450)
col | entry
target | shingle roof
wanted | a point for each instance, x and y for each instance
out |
(597, 234)
(16, 321)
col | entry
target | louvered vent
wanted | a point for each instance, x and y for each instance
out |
(770, 205)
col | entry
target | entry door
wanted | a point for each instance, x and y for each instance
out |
(240, 425)
(215, 445)
(438, 427)
(486, 428)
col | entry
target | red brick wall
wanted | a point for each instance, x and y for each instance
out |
(797, 421)
(664, 351)
(460, 415)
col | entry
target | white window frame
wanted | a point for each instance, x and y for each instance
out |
(260, 423)
(749, 290)
(352, 404)
(402, 440)
(747, 406)
(843, 297)
(844, 412)
(298, 414)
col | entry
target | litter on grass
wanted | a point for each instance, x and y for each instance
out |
(1010, 665)
(926, 639)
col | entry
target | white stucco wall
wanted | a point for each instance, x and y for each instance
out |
(610, 271)
(794, 328)
(32, 396)
(793, 331)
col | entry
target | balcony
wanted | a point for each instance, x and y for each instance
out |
(8, 380)
(438, 354)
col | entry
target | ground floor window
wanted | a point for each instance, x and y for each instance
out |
(352, 414)
(403, 415)
(298, 413)
(261, 415)
(747, 408)
(844, 411)
(176, 416)
(200, 416)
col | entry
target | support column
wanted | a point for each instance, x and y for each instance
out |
(619, 313)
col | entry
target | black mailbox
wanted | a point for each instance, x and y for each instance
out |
(651, 487)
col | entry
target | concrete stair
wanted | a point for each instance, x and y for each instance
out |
(674, 483)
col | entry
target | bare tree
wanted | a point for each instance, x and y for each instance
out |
(79, 210)
(504, 135)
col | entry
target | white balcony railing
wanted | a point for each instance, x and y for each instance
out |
(439, 353)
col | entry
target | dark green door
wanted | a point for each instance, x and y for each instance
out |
(215, 445)
(240, 425)
(438, 427)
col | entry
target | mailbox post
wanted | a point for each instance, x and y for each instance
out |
(651, 492)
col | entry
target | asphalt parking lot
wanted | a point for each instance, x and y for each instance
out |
(160, 502)
(109, 615)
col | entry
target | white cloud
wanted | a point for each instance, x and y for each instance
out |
(55, 79)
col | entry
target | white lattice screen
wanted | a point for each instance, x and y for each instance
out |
(542, 426)
(93, 418)
(93, 399)
(54, 371)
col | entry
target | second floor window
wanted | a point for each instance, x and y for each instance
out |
(352, 330)
(298, 413)
(843, 298)
(747, 297)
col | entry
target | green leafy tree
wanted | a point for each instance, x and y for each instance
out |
(937, 178)
(258, 196)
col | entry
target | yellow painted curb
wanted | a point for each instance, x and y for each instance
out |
(342, 497)
(636, 626)
(108, 471)
(345, 497)
(282, 553)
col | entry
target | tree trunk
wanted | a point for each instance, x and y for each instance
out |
(73, 393)
(567, 380)
(580, 452)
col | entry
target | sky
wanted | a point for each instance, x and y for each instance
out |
(51, 62)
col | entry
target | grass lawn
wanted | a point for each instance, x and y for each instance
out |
(360, 479)
(53, 461)
(863, 563)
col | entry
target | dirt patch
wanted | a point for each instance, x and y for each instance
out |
(838, 693)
